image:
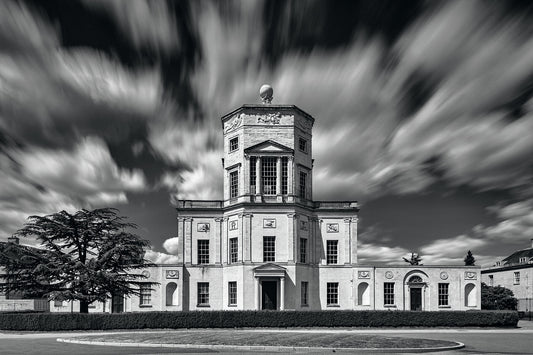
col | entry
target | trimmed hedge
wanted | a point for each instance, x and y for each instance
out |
(244, 319)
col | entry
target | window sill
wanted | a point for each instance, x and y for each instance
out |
(232, 305)
(333, 305)
(448, 306)
(389, 306)
(304, 305)
(203, 306)
(145, 306)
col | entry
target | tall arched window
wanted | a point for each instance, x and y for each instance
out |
(363, 294)
(172, 294)
(470, 295)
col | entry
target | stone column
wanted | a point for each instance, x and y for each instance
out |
(225, 242)
(247, 237)
(347, 241)
(188, 240)
(218, 240)
(278, 176)
(257, 293)
(181, 238)
(258, 176)
(282, 294)
(290, 176)
(353, 234)
(319, 242)
(290, 237)
(240, 240)
(246, 175)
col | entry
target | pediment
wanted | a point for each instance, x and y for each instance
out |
(268, 146)
(270, 267)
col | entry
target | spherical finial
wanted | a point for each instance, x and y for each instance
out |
(266, 93)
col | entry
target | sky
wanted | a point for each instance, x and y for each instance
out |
(423, 112)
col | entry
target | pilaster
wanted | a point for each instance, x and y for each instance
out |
(353, 234)
(278, 176)
(347, 241)
(247, 237)
(218, 240)
(181, 238)
(188, 240)
(291, 237)
(258, 187)
(290, 176)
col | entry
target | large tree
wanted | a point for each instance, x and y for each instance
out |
(415, 259)
(469, 259)
(86, 256)
(497, 297)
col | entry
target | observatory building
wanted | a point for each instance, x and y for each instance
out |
(268, 245)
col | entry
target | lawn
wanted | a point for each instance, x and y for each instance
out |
(258, 338)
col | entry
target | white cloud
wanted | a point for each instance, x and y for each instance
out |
(160, 258)
(146, 23)
(171, 245)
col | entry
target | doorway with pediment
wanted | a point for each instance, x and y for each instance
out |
(270, 287)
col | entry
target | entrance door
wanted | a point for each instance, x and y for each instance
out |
(269, 295)
(416, 299)
(117, 304)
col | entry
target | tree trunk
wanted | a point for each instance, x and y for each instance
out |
(84, 307)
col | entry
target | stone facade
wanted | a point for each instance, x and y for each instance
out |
(269, 245)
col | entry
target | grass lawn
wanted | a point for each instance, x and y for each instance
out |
(244, 338)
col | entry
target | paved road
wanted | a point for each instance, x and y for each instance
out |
(505, 341)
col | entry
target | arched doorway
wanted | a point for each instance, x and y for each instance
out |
(172, 294)
(416, 290)
(363, 294)
(470, 295)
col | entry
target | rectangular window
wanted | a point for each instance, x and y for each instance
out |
(269, 175)
(284, 176)
(232, 293)
(332, 297)
(269, 249)
(302, 144)
(203, 294)
(233, 184)
(303, 250)
(517, 278)
(145, 296)
(443, 294)
(233, 250)
(253, 176)
(388, 293)
(304, 293)
(234, 144)
(58, 303)
(522, 260)
(491, 280)
(303, 184)
(203, 251)
(331, 251)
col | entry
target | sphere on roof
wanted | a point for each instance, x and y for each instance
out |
(266, 93)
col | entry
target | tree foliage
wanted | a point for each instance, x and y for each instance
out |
(87, 256)
(469, 259)
(414, 260)
(497, 297)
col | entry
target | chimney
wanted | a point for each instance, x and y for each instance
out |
(13, 240)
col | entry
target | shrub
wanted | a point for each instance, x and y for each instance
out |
(241, 319)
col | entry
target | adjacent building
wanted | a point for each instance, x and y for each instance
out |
(514, 272)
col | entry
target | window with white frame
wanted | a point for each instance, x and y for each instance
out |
(284, 176)
(58, 303)
(233, 184)
(203, 251)
(269, 248)
(145, 295)
(331, 251)
(304, 293)
(443, 294)
(303, 250)
(233, 250)
(269, 175)
(388, 293)
(491, 280)
(517, 278)
(522, 260)
(232, 293)
(203, 294)
(234, 144)
(332, 296)
(303, 184)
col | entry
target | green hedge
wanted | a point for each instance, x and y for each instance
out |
(238, 319)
